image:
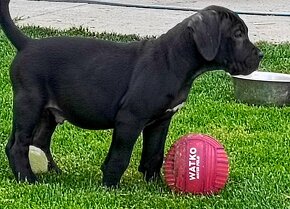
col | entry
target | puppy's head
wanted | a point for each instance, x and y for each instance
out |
(221, 36)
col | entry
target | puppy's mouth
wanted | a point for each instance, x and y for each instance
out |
(241, 68)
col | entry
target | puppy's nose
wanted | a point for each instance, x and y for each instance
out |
(260, 55)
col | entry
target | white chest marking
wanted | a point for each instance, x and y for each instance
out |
(176, 108)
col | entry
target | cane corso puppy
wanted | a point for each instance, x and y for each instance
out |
(128, 87)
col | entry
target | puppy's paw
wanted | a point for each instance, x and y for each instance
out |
(22, 177)
(111, 182)
(53, 167)
(150, 174)
(38, 160)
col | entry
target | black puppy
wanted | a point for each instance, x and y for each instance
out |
(131, 88)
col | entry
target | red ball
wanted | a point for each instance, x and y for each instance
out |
(196, 164)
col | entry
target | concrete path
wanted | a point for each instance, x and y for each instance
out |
(128, 20)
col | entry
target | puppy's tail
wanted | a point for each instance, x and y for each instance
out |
(17, 38)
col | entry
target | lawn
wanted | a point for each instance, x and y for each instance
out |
(257, 140)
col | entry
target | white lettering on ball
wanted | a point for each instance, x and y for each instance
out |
(193, 162)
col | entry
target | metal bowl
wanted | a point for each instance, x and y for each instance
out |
(263, 88)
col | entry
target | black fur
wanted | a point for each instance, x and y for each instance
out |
(131, 88)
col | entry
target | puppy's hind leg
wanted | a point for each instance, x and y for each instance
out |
(10, 142)
(42, 140)
(27, 111)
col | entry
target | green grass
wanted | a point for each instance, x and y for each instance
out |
(257, 140)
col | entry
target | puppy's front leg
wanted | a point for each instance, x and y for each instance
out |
(127, 129)
(154, 137)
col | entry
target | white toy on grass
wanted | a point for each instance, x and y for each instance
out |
(38, 160)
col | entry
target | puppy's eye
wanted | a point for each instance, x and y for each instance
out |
(238, 34)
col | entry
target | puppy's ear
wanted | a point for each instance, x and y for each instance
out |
(206, 33)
